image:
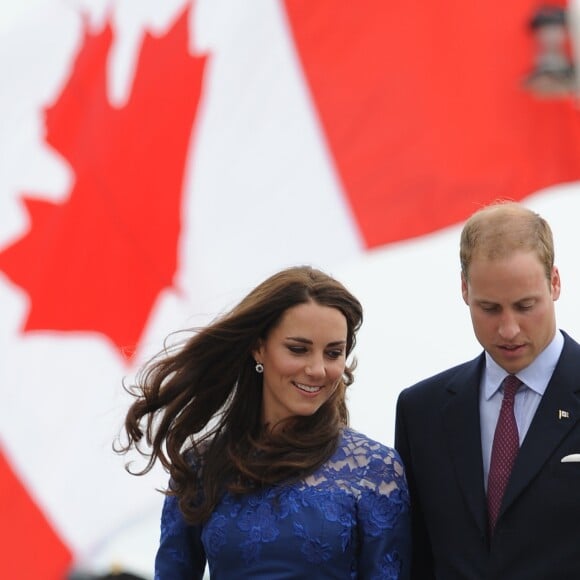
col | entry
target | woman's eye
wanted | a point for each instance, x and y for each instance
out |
(297, 349)
(334, 353)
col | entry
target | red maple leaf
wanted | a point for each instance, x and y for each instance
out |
(98, 261)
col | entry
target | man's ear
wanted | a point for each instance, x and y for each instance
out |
(555, 284)
(464, 289)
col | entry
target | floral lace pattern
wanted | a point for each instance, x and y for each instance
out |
(349, 519)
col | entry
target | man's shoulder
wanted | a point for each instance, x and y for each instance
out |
(448, 378)
(569, 342)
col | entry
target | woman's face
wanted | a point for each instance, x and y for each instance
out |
(304, 358)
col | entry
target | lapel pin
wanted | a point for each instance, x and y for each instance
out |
(563, 414)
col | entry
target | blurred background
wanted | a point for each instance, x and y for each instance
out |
(159, 158)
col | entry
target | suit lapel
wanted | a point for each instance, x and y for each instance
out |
(548, 429)
(460, 415)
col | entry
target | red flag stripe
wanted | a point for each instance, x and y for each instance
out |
(31, 548)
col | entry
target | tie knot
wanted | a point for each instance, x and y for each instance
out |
(510, 385)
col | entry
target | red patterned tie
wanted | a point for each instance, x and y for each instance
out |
(505, 448)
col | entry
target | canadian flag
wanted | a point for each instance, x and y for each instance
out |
(158, 159)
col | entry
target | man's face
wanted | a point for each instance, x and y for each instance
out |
(512, 307)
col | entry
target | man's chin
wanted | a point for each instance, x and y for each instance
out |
(512, 361)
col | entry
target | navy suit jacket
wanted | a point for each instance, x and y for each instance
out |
(537, 535)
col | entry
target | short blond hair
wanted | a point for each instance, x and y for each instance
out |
(499, 229)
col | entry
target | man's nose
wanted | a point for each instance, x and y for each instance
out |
(509, 326)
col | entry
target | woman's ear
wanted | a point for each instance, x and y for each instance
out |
(257, 351)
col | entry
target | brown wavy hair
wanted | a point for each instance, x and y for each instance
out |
(199, 406)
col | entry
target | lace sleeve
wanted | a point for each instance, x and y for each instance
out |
(180, 555)
(383, 513)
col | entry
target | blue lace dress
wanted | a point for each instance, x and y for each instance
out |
(349, 519)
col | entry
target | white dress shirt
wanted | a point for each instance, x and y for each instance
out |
(535, 378)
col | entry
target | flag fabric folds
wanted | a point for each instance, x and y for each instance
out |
(158, 160)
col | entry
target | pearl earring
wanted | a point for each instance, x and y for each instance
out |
(259, 368)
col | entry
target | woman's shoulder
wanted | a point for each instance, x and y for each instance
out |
(373, 461)
(195, 454)
(359, 443)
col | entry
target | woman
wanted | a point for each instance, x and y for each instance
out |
(249, 418)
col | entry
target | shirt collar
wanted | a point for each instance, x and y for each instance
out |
(536, 376)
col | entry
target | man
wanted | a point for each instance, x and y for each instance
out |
(466, 525)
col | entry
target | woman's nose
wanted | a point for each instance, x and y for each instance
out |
(315, 367)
